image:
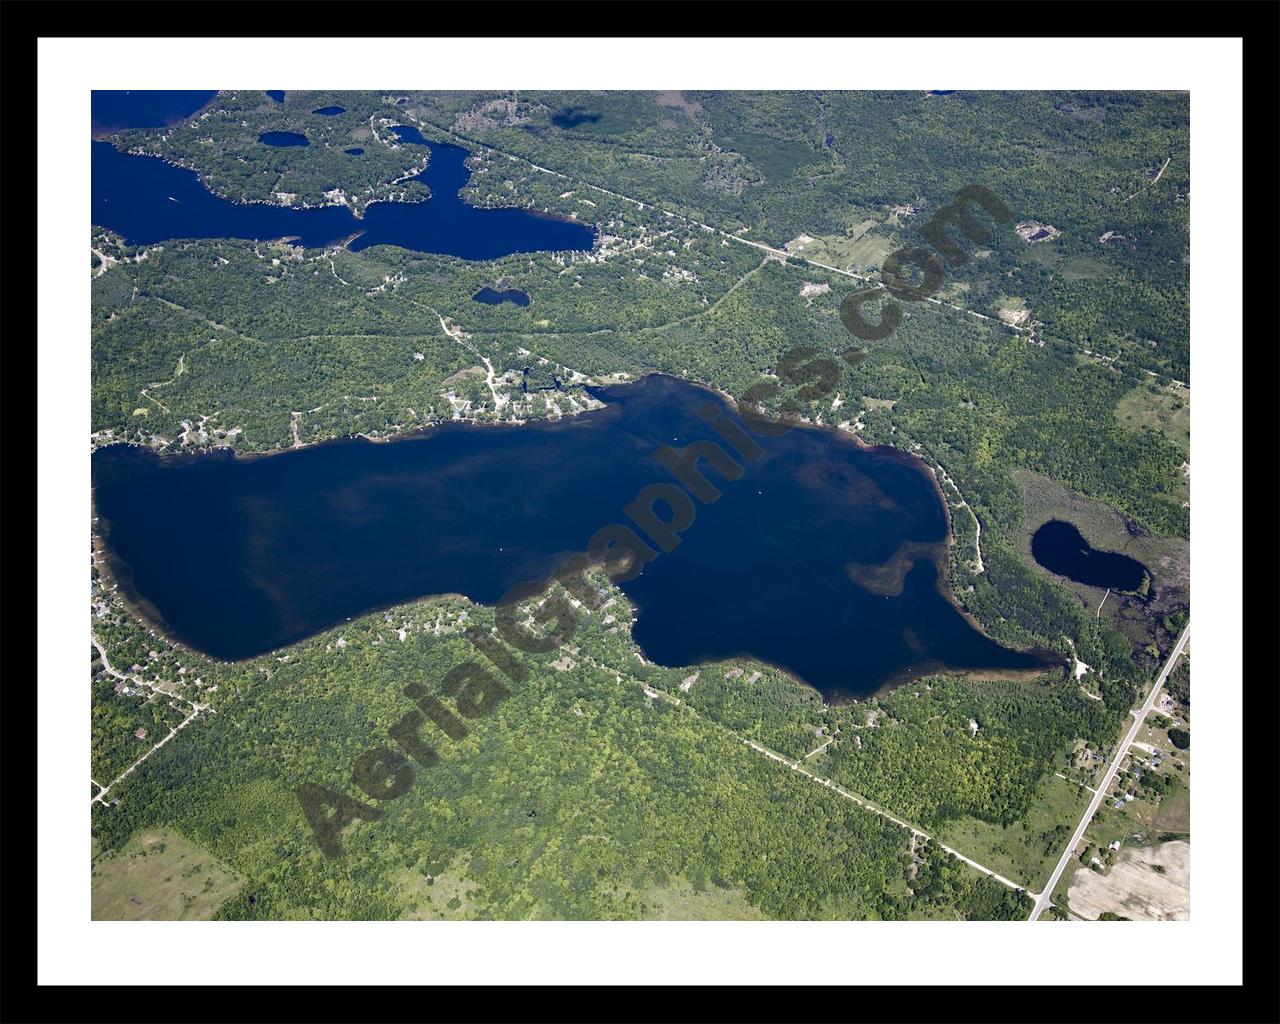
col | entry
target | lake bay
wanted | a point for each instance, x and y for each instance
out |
(147, 200)
(824, 558)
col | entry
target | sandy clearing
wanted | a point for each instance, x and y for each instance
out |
(1134, 889)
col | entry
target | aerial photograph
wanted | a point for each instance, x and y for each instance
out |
(617, 505)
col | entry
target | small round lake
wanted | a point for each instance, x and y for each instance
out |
(493, 297)
(1059, 547)
(284, 139)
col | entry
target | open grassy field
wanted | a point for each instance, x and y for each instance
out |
(448, 896)
(865, 244)
(1026, 852)
(1012, 309)
(1163, 409)
(160, 876)
(1110, 824)
(1174, 813)
(777, 159)
(679, 901)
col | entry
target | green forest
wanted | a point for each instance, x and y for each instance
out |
(578, 794)
(606, 789)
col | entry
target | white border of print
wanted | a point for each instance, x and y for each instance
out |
(1207, 949)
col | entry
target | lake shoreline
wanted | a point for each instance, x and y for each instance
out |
(449, 226)
(100, 133)
(146, 612)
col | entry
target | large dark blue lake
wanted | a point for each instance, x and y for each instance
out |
(147, 200)
(114, 109)
(823, 557)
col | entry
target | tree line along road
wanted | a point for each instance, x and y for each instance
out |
(1140, 716)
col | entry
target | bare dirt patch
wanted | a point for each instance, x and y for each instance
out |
(1135, 888)
(677, 100)
(1034, 231)
(809, 291)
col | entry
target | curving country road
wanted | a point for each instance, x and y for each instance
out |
(1140, 716)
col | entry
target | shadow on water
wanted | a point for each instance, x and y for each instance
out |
(823, 558)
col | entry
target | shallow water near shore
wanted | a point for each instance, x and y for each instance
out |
(822, 558)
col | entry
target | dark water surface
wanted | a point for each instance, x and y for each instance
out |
(114, 109)
(493, 297)
(148, 200)
(329, 111)
(284, 139)
(823, 558)
(571, 117)
(1060, 548)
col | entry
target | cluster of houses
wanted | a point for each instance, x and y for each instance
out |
(1113, 847)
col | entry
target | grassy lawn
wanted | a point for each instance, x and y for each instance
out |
(1109, 824)
(160, 876)
(859, 249)
(1141, 817)
(1026, 852)
(1174, 813)
(1150, 814)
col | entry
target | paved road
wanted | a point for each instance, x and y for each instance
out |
(731, 236)
(1042, 900)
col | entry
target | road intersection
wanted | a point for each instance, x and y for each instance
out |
(1043, 899)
